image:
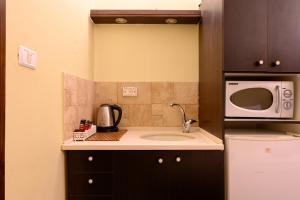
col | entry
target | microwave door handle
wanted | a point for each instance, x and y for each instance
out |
(277, 99)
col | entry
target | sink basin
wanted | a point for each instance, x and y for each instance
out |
(167, 137)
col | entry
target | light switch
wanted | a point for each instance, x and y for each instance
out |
(27, 57)
(130, 91)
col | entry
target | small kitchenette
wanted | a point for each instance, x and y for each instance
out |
(230, 133)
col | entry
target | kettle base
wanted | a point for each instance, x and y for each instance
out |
(107, 129)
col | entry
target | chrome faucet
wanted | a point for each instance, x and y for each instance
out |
(186, 123)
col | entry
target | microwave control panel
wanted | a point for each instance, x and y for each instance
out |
(287, 98)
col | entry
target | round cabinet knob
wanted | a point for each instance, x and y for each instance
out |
(260, 62)
(160, 160)
(277, 63)
(178, 159)
(90, 158)
(90, 181)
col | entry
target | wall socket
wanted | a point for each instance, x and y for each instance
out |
(130, 91)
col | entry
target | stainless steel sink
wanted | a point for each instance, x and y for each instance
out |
(167, 137)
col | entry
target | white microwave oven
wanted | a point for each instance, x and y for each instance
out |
(259, 99)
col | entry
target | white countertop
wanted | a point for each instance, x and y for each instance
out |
(132, 140)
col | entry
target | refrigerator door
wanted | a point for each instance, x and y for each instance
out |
(263, 167)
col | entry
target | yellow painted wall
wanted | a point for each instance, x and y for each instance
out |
(146, 53)
(148, 4)
(61, 33)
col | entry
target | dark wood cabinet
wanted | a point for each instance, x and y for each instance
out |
(146, 175)
(245, 35)
(262, 36)
(284, 35)
(196, 175)
(141, 175)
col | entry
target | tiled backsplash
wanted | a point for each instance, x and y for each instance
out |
(79, 98)
(149, 108)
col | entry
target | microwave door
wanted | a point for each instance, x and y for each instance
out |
(254, 99)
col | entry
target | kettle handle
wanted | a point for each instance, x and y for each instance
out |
(119, 109)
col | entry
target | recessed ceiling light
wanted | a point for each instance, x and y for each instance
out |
(120, 20)
(171, 21)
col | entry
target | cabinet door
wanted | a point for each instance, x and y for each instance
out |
(196, 175)
(284, 35)
(141, 175)
(245, 35)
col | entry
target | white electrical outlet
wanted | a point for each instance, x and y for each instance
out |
(27, 57)
(130, 91)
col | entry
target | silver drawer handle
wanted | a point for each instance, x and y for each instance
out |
(160, 160)
(90, 181)
(178, 159)
(90, 158)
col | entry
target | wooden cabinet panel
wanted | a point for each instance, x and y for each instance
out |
(90, 161)
(146, 175)
(196, 175)
(284, 35)
(89, 198)
(90, 184)
(245, 35)
(140, 176)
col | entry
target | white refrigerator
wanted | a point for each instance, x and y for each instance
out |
(262, 165)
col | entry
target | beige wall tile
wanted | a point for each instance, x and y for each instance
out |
(82, 92)
(70, 82)
(106, 93)
(144, 93)
(70, 121)
(140, 115)
(67, 98)
(84, 112)
(172, 116)
(91, 89)
(162, 92)
(157, 109)
(79, 98)
(149, 108)
(137, 115)
(125, 116)
(192, 113)
(157, 121)
(186, 93)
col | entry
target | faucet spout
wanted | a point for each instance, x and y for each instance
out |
(186, 123)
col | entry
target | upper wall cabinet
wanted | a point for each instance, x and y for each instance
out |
(262, 36)
(284, 35)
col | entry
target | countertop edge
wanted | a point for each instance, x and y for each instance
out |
(215, 144)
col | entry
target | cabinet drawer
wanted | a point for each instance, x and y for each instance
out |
(90, 161)
(89, 198)
(91, 184)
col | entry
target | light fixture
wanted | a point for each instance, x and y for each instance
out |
(121, 20)
(171, 21)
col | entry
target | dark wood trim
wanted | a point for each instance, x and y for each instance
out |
(211, 80)
(261, 121)
(146, 16)
(2, 97)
